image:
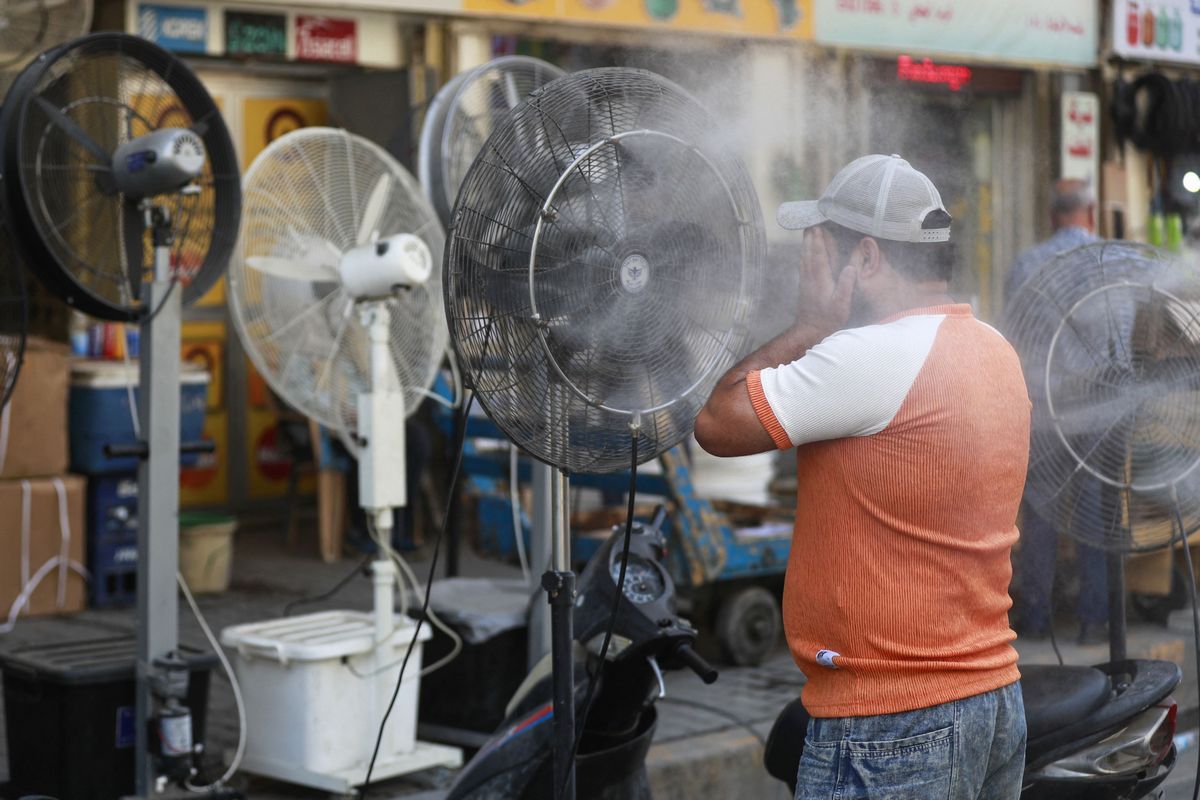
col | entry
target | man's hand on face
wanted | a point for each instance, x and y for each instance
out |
(824, 302)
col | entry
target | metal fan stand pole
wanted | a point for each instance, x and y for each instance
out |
(158, 490)
(1116, 606)
(381, 488)
(559, 583)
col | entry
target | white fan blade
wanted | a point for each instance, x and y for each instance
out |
(373, 212)
(294, 268)
(511, 95)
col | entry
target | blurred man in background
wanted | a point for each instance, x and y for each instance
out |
(1073, 215)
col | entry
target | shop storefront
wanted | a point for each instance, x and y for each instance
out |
(272, 68)
(1152, 58)
(969, 92)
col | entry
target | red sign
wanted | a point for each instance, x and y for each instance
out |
(955, 76)
(326, 39)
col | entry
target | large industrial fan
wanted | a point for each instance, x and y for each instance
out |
(336, 298)
(602, 268)
(462, 116)
(120, 191)
(1109, 335)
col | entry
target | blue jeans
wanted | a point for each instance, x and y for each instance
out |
(970, 749)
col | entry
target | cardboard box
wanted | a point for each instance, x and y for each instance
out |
(44, 543)
(33, 426)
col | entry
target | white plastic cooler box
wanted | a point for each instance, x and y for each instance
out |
(315, 693)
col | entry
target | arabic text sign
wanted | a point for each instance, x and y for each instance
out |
(788, 18)
(1065, 32)
(1080, 136)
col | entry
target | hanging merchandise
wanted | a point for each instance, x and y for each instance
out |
(1158, 114)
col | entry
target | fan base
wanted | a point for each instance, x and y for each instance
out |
(424, 756)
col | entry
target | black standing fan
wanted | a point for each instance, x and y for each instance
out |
(602, 265)
(1109, 335)
(121, 192)
(89, 128)
(14, 319)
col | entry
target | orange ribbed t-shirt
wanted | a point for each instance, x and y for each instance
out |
(912, 443)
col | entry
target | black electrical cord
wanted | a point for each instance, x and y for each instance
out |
(581, 721)
(437, 544)
(337, 587)
(1191, 587)
(1050, 627)
(719, 712)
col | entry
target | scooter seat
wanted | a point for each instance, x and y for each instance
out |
(1055, 696)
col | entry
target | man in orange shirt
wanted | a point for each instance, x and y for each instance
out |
(911, 424)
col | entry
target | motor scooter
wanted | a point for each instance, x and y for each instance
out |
(1103, 733)
(649, 637)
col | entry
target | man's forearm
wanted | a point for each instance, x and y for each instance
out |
(728, 425)
(783, 349)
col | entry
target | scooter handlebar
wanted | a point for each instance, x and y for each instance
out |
(696, 663)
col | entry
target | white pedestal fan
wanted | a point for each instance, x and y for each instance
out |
(335, 297)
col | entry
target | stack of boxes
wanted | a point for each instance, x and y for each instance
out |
(42, 536)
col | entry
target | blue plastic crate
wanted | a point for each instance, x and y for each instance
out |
(112, 514)
(100, 414)
(112, 506)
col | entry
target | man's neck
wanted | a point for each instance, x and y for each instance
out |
(909, 298)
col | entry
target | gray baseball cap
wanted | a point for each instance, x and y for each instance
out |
(877, 195)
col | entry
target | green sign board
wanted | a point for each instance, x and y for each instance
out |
(254, 34)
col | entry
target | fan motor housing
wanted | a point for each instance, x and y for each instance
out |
(159, 162)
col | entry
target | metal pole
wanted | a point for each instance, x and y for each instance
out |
(559, 583)
(540, 549)
(158, 499)
(1116, 607)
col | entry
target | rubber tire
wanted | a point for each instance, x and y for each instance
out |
(748, 626)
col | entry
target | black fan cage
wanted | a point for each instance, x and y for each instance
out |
(1109, 338)
(87, 242)
(602, 268)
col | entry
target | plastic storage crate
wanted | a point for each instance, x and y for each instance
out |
(69, 717)
(100, 413)
(314, 690)
(112, 514)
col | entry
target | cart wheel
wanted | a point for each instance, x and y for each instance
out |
(748, 626)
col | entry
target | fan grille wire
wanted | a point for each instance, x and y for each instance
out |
(1109, 336)
(306, 338)
(32, 26)
(116, 88)
(646, 275)
(13, 316)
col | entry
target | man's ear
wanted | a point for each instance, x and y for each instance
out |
(872, 257)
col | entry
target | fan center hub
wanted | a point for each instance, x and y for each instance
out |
(635, 273)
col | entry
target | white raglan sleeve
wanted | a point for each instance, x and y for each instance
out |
(850, 384)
